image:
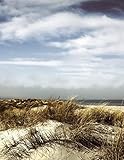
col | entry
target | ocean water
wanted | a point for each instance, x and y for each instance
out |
(108, 101)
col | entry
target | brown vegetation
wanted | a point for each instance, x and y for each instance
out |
(84, 128)
(102, 115)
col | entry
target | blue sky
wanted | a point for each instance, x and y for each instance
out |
(73, 47)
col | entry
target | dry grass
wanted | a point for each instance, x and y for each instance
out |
(37, 111)
(13, 118)
(84, 128)
(115, 151)
(62, 111)
(102, 115)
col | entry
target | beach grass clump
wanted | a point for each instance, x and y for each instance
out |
(102, 115)
(15, 118)
(62, 111)
(115, 151)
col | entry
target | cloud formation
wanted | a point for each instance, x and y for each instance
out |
(24, 62)
(79, 44)
(106, 6)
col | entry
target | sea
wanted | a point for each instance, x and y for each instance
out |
(109, 102)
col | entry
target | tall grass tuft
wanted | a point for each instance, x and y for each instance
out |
(115, 151)
(102, 115)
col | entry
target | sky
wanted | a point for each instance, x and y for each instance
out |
(62, 48)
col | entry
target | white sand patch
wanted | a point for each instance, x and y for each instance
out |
(106, 106)
(58, 153)
(7, 136)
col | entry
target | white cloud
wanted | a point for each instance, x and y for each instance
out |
(21, 28)
(47, 3)
(71, 72)
(25, 62)
(105, 38)
(38, 8)
(81, 63)
(98, 30)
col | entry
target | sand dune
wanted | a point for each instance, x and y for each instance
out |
(61, 130)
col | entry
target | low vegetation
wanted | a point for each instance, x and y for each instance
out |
(99, 129)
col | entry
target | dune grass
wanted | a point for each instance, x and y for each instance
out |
(114, 151)
(84, 128)
(102, 115)
(62, 111)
